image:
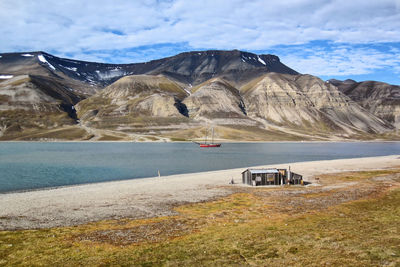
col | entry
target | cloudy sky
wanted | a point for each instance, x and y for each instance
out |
(342, 39)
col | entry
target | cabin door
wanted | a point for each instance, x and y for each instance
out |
(258, 179)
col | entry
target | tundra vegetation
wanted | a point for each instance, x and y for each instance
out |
(350, 220)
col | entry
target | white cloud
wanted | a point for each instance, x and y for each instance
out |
(76, 26)
(96, 30)
(342, 60)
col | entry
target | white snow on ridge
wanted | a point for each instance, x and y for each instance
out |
(106, 75)
(262, 61)
(27, 55)
(6, 76)
(69, 68)
(42, 59)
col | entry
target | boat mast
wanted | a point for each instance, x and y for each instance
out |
(212, 140)
(205, 139)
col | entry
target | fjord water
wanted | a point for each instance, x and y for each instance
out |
(33, 165)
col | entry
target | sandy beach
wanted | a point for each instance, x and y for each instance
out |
(148, 197)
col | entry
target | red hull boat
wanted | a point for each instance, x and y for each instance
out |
(212, 144)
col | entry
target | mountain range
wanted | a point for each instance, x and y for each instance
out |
(243, 96)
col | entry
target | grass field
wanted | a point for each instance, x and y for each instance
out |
(291, 226)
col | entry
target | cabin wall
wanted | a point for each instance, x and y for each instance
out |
(280, 178)
(265, 179)
(296, 178)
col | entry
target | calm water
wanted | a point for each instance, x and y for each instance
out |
(25, 166)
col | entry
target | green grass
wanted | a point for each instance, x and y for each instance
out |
(356, 176)
(177, 139)
(38, 124)
(110, 138)
(253, 133)
(241, 229)
(92, 103)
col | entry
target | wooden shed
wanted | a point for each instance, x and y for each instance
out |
(296, 178)
(256, 177)
(264, 176)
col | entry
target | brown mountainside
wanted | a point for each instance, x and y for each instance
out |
(244, 96)
(379, 98)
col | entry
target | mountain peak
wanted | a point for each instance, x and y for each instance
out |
(191, 68)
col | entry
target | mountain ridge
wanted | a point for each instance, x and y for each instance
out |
(196, 63)
(245, 96)
(381, 99)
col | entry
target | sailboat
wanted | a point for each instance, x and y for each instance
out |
(212, 144)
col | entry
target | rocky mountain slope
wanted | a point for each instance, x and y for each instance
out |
(213, 99)
(379, 98)
(244, 96)
(136, 103)
(30, 102)
(305, 102)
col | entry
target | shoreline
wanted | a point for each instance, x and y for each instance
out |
(147, 197)
(165, 176)
(219, 141)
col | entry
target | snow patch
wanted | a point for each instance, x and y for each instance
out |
(42, 59)
(6, 76)
(27, 55)
(262, 61)
(187, 91)
(106, 75)
(69, 68)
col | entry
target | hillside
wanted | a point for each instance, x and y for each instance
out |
(379, 98)
(306, 103)
(244, 96)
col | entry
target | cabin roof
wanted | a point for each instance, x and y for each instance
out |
(262, 171)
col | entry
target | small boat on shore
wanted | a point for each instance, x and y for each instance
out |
(212, 144)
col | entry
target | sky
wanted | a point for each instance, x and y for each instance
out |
(342, 39)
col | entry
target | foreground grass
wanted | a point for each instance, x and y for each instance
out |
(242, 229)
(356, 176)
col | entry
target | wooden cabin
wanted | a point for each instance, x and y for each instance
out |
(296, 178)
(256, 177)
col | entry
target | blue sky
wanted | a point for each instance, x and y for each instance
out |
(331, 39)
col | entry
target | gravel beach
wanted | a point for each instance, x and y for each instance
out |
(148, 197)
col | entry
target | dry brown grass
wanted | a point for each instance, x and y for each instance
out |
(290, 226)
